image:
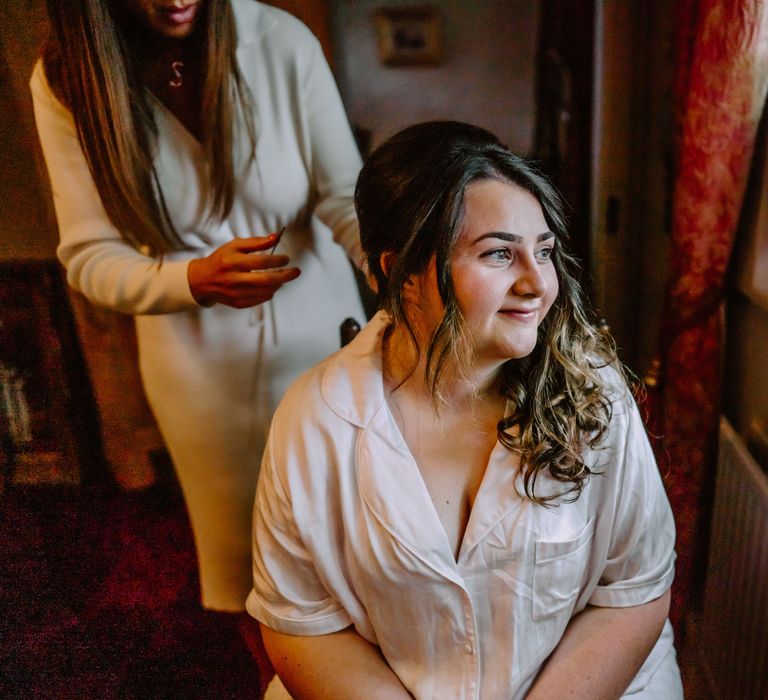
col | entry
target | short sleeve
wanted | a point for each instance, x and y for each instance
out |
(640, 562)
(287, 594)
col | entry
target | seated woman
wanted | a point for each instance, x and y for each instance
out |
(462, 502)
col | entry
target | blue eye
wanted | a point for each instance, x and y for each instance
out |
(545, 253)
(498, 255)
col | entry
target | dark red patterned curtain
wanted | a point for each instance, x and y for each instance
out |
(721, 80)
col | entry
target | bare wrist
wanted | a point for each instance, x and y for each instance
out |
(194, 286)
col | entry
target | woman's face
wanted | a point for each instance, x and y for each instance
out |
(172, 19)
(502, 269)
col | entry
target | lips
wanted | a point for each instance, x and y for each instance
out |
(521, 314)
(179, 15)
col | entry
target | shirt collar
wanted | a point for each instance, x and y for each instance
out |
(352, 384)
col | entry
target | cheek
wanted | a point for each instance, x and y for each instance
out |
(475, 296)
(143, 8)
(142, 11)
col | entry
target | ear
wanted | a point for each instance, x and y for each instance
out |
(410, 291)
(387, 261)
(370, 278)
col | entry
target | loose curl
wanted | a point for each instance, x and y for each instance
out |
(410, 202)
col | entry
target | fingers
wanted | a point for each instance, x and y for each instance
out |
(240, 273)
(247, 263)
(241, 262)
(253, 244)
(248, 289)
(240, 254)
(266, 278)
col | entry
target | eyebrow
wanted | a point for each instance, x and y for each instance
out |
(512, 237)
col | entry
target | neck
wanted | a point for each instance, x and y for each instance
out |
(162, 51)
(404, 368)
(148, 46)
(171, 66)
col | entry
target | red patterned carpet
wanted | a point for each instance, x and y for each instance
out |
(98, 599)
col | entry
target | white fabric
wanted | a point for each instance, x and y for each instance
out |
(276, 690)
(213, 375)
(345, 534)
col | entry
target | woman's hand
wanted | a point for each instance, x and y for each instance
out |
(233, 275)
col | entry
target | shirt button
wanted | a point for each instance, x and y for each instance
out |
(468, 649)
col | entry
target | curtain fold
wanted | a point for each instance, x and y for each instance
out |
(721, 79)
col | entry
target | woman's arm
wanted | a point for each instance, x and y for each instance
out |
(336, 666)
(601, 652)
(99, 262)
(112, 273)
(335, 161)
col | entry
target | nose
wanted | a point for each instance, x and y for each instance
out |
(530, 282)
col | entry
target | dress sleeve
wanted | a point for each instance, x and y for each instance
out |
(99, 263)
(335, 161)
(288, 594)
(640, 563)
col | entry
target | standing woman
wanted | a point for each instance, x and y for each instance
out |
(179, 137)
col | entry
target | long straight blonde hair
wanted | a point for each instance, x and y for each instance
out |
(93, 68)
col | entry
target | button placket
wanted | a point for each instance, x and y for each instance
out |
(469, 646)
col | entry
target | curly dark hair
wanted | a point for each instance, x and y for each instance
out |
(410, 202)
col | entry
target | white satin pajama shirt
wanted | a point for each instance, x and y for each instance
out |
(345, 534)
(213, 375)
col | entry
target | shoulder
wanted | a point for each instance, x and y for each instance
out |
(625, 444)
(38, 74)
(303, 419)
(268, 27)
(303, 399)
(341, 394)
(310, 448)
(38, 82)
(51, 115)
(615, 389)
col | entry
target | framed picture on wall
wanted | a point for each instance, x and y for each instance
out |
(409, 36)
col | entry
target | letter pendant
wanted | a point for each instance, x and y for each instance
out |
(178, 78)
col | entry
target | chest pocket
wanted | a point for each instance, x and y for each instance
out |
(559, 572)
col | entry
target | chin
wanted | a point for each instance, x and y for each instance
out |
(520, 354)
(502, 355)
(174, 32)
(520, 350)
